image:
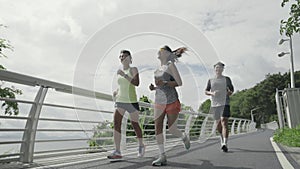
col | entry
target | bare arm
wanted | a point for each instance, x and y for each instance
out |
(230, 88)
(135, 79)
(208, 89)
(174, 72)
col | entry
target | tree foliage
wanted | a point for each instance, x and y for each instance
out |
(292, 24)
(4, 44)
(11, 108)
(205, 106)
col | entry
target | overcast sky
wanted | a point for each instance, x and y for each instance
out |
(77, 42)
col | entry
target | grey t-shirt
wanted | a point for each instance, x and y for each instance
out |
(219, 85)
(165, 94)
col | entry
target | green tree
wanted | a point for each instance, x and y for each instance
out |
(261, 95)
(11, 108)
(4, 44)
(205, 106)
(292, 24)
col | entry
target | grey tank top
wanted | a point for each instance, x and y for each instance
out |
(165, 94)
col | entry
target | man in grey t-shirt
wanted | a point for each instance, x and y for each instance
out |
(220, 88)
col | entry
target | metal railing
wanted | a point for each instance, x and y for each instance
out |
(198, 125)
(288, 106)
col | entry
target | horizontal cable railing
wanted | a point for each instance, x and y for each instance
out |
(197, 125)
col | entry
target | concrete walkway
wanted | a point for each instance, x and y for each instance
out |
(246, 151)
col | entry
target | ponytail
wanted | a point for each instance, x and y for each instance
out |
(178, 52)
(175, 54)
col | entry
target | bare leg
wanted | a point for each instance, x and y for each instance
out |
(134, 118)
(225, 133)
(219, 128)
(159, 116)
(172, 124)
(118, 116)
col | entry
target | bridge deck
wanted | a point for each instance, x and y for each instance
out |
(247, 151)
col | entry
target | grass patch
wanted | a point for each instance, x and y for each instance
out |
(288, 137)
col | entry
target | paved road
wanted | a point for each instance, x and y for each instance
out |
(249, 151)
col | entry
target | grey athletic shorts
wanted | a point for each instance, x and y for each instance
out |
(220, 111)
(130, 107)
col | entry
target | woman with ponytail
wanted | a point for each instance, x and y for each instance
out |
(167, 103)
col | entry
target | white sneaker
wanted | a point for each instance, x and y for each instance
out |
(186, 141)
(115, 155)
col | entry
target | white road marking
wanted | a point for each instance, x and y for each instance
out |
(281, 157)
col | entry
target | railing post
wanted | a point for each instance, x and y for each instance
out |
(213, 130)
(247, 126)
(188, 125)
(27, 147)
(244, 126)
(239, 127)
(123, 131)
(203, 128)
(232, 127)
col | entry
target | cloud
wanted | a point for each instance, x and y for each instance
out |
(49, 38)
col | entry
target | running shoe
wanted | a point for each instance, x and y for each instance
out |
(162, 160)
(141, 151)
(186, 141)
(115, 155)
(224, 148)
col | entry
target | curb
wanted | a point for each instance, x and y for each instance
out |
(281, 157)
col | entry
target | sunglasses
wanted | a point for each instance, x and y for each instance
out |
(123, 56)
